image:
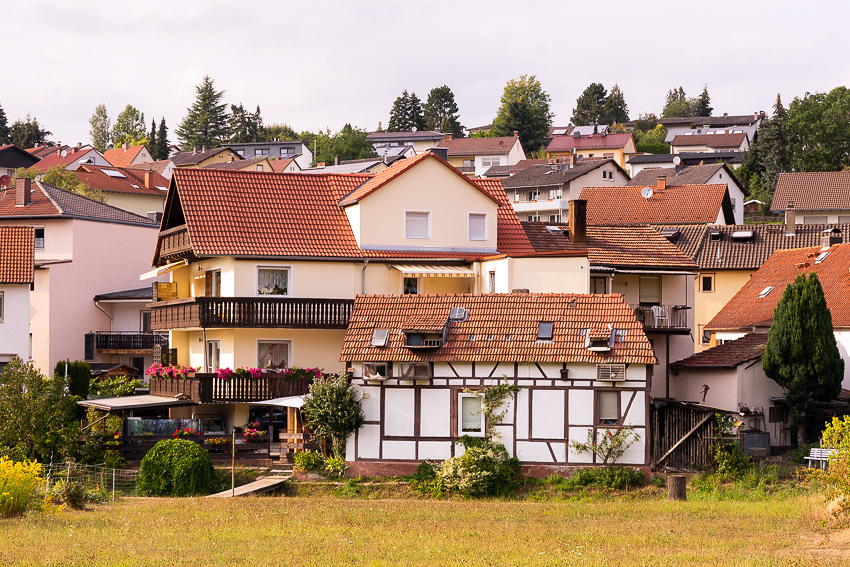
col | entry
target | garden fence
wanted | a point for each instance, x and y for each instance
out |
(112, 482)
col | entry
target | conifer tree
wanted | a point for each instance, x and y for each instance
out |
(589, 106)
(162, 140)
(440, 112)
(152, 140)
(206, 122)
(615, 110)
(406, 114)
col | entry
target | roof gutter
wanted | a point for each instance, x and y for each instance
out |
(105, 312)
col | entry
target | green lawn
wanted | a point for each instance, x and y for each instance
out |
(631, 529)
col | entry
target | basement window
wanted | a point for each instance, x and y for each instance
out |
(766, 291)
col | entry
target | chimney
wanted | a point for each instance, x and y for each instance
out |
(336, 160)
(440, 152)
(194, 150)
(831, 236)
(79, 145)
(126, 146)
(578, 221)
(203, 148)
(516, 134)
(447, 137)
(662, 183)
(149, 179)
(59, 151)
(790, 220)
(320, 164)
(726, 131)
(23, 191)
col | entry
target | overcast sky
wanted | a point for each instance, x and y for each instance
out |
(319, 64)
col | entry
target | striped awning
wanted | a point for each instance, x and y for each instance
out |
(425, 271)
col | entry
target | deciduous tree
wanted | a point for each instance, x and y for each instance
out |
(62, 178)
(206, 122)
(524, 109)
(332, 413)
(802, 355)
(278, 132)
(129, 128)
(100, 128)
(441, 112)
(348, 143)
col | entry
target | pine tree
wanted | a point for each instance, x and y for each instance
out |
(5, 133)
(406, 114)
(615, 110)
(440, 112)
(28, 133)
(524, 109)
(101, 128)
(802, 355)
(589, 106)
(677, 104)
(162, 140)
(703, 103)
(152, 140)
(774, 147)
(206, 122)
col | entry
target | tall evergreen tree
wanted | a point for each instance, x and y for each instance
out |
(589, 108)
(162, 140)
(406, 114)
(774, 147)
(5, 133)
(615, 110)
(703, 103)
(440, 112)
(152, 147)
(524, 109)
(28, 133)
(129, 128)
(206, 122)
(802, 355)
(100, 128)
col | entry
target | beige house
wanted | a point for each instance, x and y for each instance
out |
(204, 157)
(127, 155)
(577, 147)
(813, 197)
(474, 156)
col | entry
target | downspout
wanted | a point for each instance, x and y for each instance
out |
(363, 276)
(105, 312)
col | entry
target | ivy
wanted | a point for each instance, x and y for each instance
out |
(492, 398)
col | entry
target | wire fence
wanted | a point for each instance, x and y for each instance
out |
(111, 482)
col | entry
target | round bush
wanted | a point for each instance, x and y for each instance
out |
(176, 467)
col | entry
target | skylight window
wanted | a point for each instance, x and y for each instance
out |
(822, 257)
(559, 131)
(742, 235)
(380, 337)
(545, 330)
(766, 291)
(114, 173)
(458, 314)
(715, 235)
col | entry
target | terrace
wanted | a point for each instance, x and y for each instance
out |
(205, 388)
(663, 318)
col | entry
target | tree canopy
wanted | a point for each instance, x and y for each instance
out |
(524, 109)
(589, 110)
(332, 413)
(348, 143)
(615, 110)
(28, 133)
(406, 114)
(129, 128)
(5, 132)
(100, 128)
(441, 113)
(245, 126)
(678, 105)
(62, 178)
(161, 150)
(802, 355)
(206, 122)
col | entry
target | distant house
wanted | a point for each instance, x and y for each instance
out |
(127, 155)
(288, 165)
(248, 164)
(814, 197)
(204, 157)
(71, 158)
(474, 156)
(297, 150)
(386, 143)
(16, 278)
(659, 204)
(368, 165)
(542, 192)
(163, 167)
(713, 174)
(137, 191)
(505, 171)
(639, 162)
(721, 141)
(12, 157)
(746, 123)
(479, 129)
(577, 147)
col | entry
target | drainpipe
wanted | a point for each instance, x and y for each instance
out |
(105, 312)
(363, 276)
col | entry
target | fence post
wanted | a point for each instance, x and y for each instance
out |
(113, 485)
(233, 466)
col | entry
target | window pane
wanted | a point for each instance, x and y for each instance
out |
(411, 286)
(470, 411)
(706, 283)
(213, 355)
(272, 281)
(608, 412)
(650, 289)
(273, 355)
(416, 225)
(477, 226)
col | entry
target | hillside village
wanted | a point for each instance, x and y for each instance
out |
(613, 287)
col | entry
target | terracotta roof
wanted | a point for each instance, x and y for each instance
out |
(50, 201)
(479, 146)
(592, 142)
(689, 175)
(120, 157)
(540, 175)
(504, 328)
(746, 309)
(613, 246)
(157, 166)
(16, 254)
(710, 140)
(237, 165)
(728, 355)
(184, 158)
(722, 251)
(280, 165)
(133, 181)
(812, 191)
(678, 204)
(69, 160)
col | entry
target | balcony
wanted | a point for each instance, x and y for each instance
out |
(122, 343)
(466, 169)
(174, 243)
(540, 205)
(663, 318)
(250, 312)
(210, 389)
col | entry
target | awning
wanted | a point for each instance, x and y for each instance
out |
(163, 269)
(287, 402)
(425, 271)
(133, 402)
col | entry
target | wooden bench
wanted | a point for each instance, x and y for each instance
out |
(819, 455)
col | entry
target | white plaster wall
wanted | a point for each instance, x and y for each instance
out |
(579, 434)
(125, 316)
(536, 452)
(637, 413)
(547, 411)
(580, 407)
(435, 418)
(435, 450)
(371, 403)
(398, 411)
(369, 439)
(503, 280)
(550, 275)
(842, 338)
(15, 326)
(522, 414)
(405, 450)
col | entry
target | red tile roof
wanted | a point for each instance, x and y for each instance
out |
(593, 142)
(280, 165)
(746, 309)
(55, 159)
(157, 166)
(120, 157)
(16, 254)
(479, 146)
(812, 191)
(710, 140)
(678, 204)
(728, 355)
(498, 328)
(133, 181)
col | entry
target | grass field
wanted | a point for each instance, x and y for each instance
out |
(630, 529)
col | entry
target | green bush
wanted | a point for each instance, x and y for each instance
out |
(73, 494)
(730, 461)
(176, 467)
(484, 469)
(331, 412)
(308, 461)
(614, 478)
(79, 376)
(335, 467)
(19, 482)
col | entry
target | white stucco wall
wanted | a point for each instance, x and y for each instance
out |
(15, 323)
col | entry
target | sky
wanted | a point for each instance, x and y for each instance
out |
(319, 64)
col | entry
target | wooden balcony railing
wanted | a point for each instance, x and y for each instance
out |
(662, 317)
(120, 342)
(244, 312)
(205, 388)
(174, 243)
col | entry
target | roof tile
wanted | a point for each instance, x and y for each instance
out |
(677, 204)
(16, 254)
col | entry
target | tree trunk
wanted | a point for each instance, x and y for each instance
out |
(801, 432)
(676, 487)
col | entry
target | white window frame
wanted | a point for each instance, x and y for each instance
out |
(290, 351)
(418, 285)
(491, 281)
(460, 431)
(491, 161)
(702, 283)
(208, 363)
(2, 306)
(486, 216)
(43, 238)
(406, 234)
(259, 267)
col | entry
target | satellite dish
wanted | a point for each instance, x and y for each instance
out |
(646, 192)
(725, 114)
(413, 129)
(5, 181)
(677, 169)
(63, 153)
(357, 391)
(699, 130)
(677, 160)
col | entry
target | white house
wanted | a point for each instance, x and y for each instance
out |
(474, 156)
(16, 278)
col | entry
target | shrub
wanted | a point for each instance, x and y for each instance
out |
(79, 376)
(19, 482)
(484, 469)
(331, 412)
(607, 444)
(730, 461)
(308, 461)
(176, 467)
(836, 436)
(114, 386)
(335, 467)
(72, 494)
(618, 478)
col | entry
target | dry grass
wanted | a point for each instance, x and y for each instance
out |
(634, 530)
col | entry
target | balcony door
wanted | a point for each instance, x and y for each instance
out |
(213, 358)
(212, 285)
(650, 290)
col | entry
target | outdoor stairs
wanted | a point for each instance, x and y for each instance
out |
(277, 476)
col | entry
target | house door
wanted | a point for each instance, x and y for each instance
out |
(213, 355)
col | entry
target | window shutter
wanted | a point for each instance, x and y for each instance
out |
(477, 226)
(416, 225)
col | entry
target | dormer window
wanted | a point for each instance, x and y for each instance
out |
(599, 340)
(715, 236)
(545, 331)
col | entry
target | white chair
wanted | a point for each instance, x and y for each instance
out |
(658, 314)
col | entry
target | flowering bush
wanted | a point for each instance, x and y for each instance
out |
(227, 373)
(184, 432)
(19, 482)
(251, 435)
(609, 444)
(158, 370)
(217, 441)
(296, 372)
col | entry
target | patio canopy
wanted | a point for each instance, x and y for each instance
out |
(426, 271)
(163, 269)
(134, 402)
(287, 402)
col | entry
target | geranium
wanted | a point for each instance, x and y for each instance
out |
(224, 373)
(158, 370)
(251, 435)
(296, 372)
(184, 432)
(217, 441)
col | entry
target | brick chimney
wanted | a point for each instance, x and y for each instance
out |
(23, 191)
(126, 146)
(790, 220)
(662, 183)
(149, 180)
(447, 138)
(516, 134)
(578, 221)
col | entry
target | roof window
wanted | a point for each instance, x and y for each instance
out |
(545, 330)
(670, 234)
(715, 236)
(766, 291)
(822, 257)
(380, 337)
(458, 314)
(742, 236)
(114, 173)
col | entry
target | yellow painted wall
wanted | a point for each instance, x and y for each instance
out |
(549, 275)
(708, 304)
(138, 204)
